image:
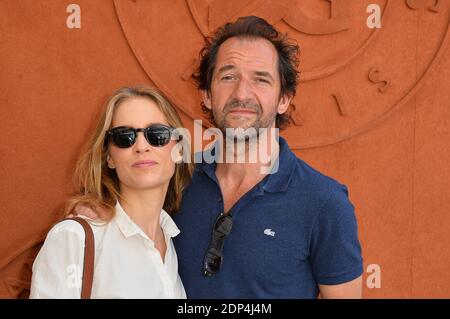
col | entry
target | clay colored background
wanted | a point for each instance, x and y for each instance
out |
(372, 111)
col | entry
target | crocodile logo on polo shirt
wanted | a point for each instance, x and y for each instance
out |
(269, 232)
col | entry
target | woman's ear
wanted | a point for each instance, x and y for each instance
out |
(177, 153)
(110, 162)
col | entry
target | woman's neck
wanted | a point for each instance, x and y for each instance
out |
(144, 208)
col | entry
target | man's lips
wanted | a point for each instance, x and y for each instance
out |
(142, 164)
(242, 111)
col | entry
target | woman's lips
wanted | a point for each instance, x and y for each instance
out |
(143, 164)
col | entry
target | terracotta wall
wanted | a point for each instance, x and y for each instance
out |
(372, 111)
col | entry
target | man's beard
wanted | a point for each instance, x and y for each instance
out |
(249, 131)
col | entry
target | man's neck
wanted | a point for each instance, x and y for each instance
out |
(258, 162)
(236, 179)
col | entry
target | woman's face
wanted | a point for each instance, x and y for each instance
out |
(140, 166)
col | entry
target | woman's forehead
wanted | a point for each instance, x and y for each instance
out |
(137, 112)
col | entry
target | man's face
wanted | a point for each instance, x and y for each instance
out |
(245, 88)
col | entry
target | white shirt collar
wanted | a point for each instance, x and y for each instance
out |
(129, 228)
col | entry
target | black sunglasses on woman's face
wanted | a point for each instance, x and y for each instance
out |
(156, 135)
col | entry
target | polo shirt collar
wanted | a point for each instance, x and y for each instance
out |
(205, 167)
(272, 183)
(129, 228)
(285, 163)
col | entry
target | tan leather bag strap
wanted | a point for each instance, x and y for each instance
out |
(89, 257)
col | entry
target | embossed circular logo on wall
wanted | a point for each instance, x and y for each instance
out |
(352, 77)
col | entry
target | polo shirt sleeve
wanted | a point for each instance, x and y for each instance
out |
(335, 248)
(58, 267)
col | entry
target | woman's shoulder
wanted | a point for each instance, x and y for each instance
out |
(67, 226)
(70, 226)
(65, 239)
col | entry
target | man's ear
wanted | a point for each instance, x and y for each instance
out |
(283, 104)
(206, 96)
(110, 162)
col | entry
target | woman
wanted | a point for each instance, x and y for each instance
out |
(127, 170)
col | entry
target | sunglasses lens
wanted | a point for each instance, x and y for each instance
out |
(158, 135)
(124, 138)
(212, 265)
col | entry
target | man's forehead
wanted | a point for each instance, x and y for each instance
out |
(255, 51)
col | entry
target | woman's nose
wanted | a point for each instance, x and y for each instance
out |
(141, 144)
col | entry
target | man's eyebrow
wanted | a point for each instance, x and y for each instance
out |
(226, 67)
(264, 74)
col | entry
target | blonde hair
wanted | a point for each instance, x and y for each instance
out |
(97, 184)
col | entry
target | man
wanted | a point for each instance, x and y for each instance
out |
(289, 232)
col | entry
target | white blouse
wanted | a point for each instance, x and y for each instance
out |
(127, 264)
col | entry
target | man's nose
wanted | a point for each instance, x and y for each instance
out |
(243, 90)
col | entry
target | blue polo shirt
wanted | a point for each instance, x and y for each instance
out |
(294, 230)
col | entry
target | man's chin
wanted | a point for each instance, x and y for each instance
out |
(241, 125)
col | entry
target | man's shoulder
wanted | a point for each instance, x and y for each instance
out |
(324, 193)
(309, 177)
(304, 176)
(313, 190)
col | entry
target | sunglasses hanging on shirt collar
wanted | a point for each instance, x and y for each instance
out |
(213, 257)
